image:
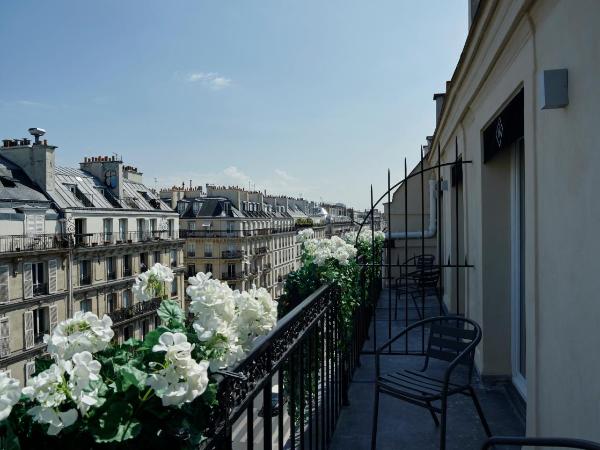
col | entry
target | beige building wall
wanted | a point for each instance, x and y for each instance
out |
(512, 42)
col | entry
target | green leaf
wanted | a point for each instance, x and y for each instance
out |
(170, 313)
(131, 376)
(116, 424)
(8, 438)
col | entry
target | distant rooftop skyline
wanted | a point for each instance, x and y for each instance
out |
(303, 98)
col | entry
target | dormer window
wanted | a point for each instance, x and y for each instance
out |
(74, 189)
(5, 182)
(197, 207)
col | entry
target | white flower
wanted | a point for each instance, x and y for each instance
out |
(83, 373)
(149, 284)
(84, 332)
(305, 235)
(10, 392)
(56, 419)
(181, 379)
(323, 250)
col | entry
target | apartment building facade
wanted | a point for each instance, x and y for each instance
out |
(106, 227)
(238, 237)
(520, 113)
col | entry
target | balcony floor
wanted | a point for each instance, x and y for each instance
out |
(405, 426)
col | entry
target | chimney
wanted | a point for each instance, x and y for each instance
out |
(37, 160)
(439, 103)
(107, 170)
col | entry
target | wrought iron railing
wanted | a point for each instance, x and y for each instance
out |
(300, 373)
(226, 276)
(109, 238)
(37, 242)
(40, 289)
(184, 234)
(131, 312)
(232, 254)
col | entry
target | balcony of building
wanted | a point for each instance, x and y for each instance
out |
(106, 239)
(232, 254)
(261, 251)
(137, 310)
(36, 243)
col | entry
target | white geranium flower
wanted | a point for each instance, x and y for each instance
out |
(83, 374)
(181, 379)
(10, 392)
(305, 235)
(150, 284)
(56, 419)
(84, 332)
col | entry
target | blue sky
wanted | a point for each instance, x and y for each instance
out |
(306, 97)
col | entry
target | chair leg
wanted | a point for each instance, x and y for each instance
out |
(443, 423)
(375, 414)
(396, 306)
(484, 422)
(434, 415)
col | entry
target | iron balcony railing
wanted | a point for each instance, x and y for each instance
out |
(225, 276)
(261, 250)
(37, 242)
(110, 238)
(40, 289)
(207, 233)
(232, 254)
(131, 312)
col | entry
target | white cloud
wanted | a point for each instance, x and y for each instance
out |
(211, 80)
(284, 175)
(236, 175)
(25, 103)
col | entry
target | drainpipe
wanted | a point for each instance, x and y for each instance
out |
(70, 283)
(431, 230)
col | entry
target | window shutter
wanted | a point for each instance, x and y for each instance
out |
(29, 370)
(53, 313)
(52, 267)
(4, 284)
(27, 281)
(4, 337)
(39, 224)
(28, 329)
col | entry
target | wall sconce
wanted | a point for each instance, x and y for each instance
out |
(554, 88)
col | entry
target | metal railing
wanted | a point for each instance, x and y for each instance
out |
(261, 250)
(131, 312)
(109, 238)
(300, 372)
(85, 280)
(40, 289)
(225, 276)
(232, 254)
(38, 242)
(185, 234)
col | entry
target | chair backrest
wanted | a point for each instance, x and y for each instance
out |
(427, 277)
(451, 335)
(424, 260)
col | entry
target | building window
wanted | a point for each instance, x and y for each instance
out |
(143, 262)
(171, 228)
(145, 327)
(86, 305)
(111, 273)
(173, 258)
(123, 230)
(191, 270)
(41, 324)
(231, 270)
(127, 332)
(208, 268)
(127, 299)
(191, 250)
(85, 273)
(156, 257)
(107, 227)
(80, 231)
(191, 225)
(174, 288)
(40, 287)
(111, 302)
(208, 250)
(126, 265)
(153, 228)
(230, 227)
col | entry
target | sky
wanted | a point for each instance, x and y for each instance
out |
(298, 97)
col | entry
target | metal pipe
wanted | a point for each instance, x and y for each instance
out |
(431, 228)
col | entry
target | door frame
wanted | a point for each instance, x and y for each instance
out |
(516, 230)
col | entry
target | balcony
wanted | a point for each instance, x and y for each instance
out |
(40, 289)
(109, 239)
(225, 276)
(191, 254)
(261, 250)
(34, 243)
(134, 311)
(187, 234)
(232, 254)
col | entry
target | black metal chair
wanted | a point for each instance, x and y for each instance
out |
(452, 339)
(540, 441)
(423, 280)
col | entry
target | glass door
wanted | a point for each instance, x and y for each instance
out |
(518, 328)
